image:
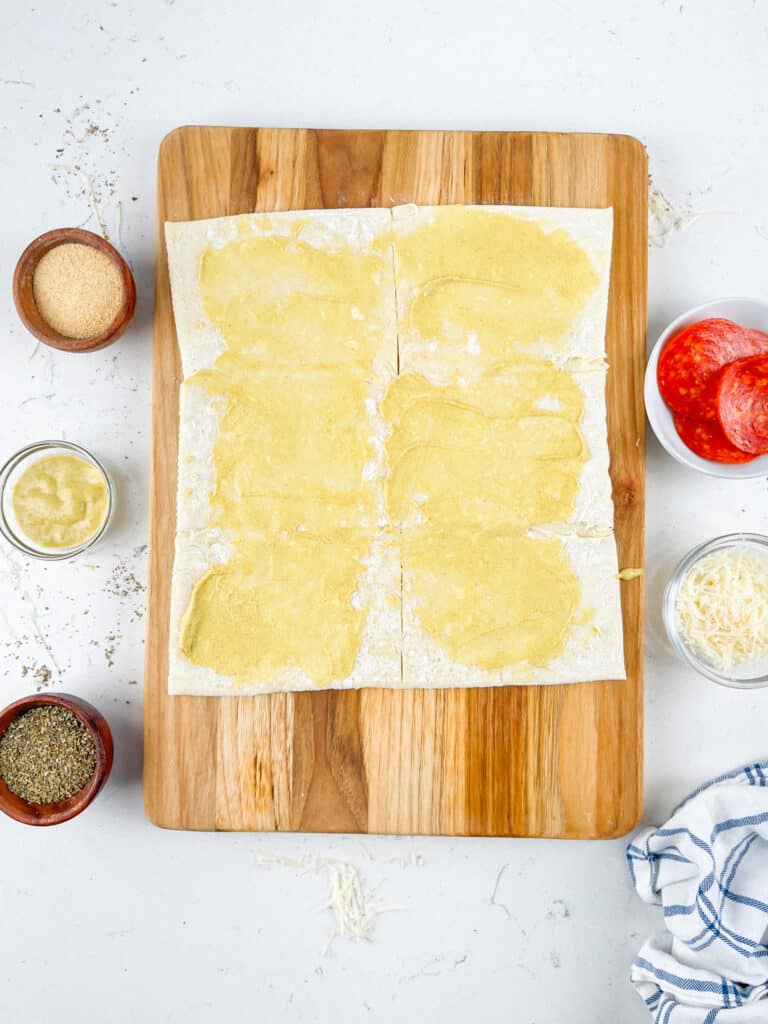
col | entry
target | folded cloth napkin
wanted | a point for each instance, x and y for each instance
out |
(708, 868)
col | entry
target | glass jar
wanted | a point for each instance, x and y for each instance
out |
(10, 474)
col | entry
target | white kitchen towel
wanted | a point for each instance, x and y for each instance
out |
(708, 868)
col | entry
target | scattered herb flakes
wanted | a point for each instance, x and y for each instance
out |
(47, 755)
(43, 675)
(122, 582)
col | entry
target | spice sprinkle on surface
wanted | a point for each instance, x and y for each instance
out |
(47, 755)
(78, 290)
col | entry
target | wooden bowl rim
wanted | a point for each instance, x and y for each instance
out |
(53, 814)
(23, 295)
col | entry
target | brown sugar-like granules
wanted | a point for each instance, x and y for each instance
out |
(78, 290)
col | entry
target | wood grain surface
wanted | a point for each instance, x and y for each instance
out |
(561, 761)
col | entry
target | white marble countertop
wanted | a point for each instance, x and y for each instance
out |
(109, 918)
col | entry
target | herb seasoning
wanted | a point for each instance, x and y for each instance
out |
(47, 755)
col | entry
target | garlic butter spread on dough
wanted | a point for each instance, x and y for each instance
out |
(494, 447)
(471, 469)
(60, 501)
(300, 326)
(435, 394)
(505, 283)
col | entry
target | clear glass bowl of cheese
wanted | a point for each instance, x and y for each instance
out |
(716, 609)
(56, 500)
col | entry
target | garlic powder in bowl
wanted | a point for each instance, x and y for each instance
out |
(716, 609)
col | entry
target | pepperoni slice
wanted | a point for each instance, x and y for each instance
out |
(742, 401)
(689, 363)
(706, 438)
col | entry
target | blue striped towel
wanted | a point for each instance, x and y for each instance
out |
(708, 868)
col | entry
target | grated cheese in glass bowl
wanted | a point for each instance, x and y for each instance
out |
(716, 609)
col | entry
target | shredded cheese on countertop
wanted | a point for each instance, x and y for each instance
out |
(353, 904)
(722, 607)
(666, 219)
(629, 574)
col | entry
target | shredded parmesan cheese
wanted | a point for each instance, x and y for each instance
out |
(629, 574)
(722, 607)
(665, 219)
(352, 903)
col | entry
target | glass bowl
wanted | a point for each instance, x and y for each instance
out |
(9, 475)
(746, 679)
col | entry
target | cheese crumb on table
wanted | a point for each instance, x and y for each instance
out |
(629, 574)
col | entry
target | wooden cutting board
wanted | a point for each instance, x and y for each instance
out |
(528, 761)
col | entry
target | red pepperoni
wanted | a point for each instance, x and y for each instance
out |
(742, 399)
(689, 363)
(706, 438)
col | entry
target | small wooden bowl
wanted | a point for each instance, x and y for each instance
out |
(62, 810)
(24, 296)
